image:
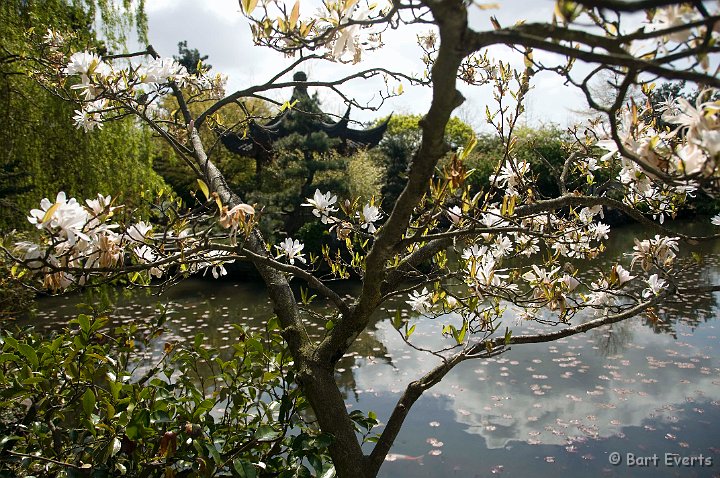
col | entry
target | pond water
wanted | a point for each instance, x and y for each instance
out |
(644, 388)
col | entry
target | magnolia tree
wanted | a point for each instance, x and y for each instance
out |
(466, 258)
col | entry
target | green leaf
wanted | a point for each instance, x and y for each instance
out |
(11, 342)
(244, 468)
(266, 433)
(88, 401)
(199, 340)
(214, 453)
(29, 353)
(84, 322)
(204, 407)
(6, 357)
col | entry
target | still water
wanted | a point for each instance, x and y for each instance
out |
(646, 389)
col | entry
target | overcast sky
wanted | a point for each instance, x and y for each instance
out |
(218, 29)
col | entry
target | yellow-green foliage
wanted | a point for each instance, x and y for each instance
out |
(365, 175)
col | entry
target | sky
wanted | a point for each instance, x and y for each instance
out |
(218, 29)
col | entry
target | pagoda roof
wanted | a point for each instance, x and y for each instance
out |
(258, 140)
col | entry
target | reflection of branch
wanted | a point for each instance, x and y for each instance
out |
(571, 200)
(483, 349)
(312, 281)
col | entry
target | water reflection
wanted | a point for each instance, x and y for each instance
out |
(647, 385)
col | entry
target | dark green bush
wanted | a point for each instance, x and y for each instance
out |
(84, 403)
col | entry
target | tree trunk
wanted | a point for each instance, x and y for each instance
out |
(318, 384)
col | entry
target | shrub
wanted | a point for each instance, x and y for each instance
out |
(82, 403)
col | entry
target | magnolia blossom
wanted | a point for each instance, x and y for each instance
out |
(483, 273)
(715, 220)
(539, 275)
(621, 274)
(655, 285)
(85, 64)
(420, 301)
(107, 250)
(291, 249)
(238, 214)
(101, 205)
(145, 255)
(587, 214)
(502, 246)
(161, 70)
(475, 251)
(67, 218)
(322, 205)
(215, 263)
(368, 216)
(675, 16)
(139, 232)
(600, 296)
(454, 214)
(599, 231)
(660, 250)
(90, 116)
(349, 41)
(570, 282)
(511, 175)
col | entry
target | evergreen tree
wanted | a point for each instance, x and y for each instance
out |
(190, 58)
(303, 161)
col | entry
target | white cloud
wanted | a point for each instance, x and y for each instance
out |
(218, 29)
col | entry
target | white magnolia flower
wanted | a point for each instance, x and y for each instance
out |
(53, 38)
(475, 251)
(145, 255)
(674, 16)
(65, 216)
(101, 205)
(322, 205)
(570, 282)
(454, 214)
(291, 249)
(692, 159)
(622, 274)
(139, 232)
(368, 216)
(540, 275)
(659, 249)
(87, 120)
(600, 297)
(715, 220)
(655, 286)
(599, 231)
(587, 214)
(502, 246)
(161, 70)
(86, 63)
(511, 175)
(420, 301)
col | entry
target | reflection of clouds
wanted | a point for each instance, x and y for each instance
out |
(559, 393)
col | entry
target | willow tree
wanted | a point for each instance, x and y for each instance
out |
(403, 250)
(41, 152)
